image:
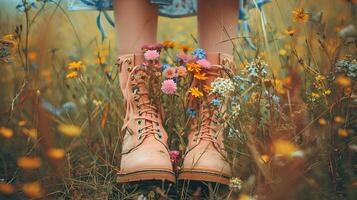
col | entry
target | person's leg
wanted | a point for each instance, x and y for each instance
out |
(136, 24)
(206, 158)
(217, 22)
(144, 154)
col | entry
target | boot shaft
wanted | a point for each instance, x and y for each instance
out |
(207, 126)
(142, 122)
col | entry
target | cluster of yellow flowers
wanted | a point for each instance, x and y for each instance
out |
(76, 66)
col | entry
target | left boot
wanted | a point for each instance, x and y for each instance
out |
(206, 157)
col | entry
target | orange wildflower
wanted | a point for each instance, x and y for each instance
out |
(200, 76)
(300, 16)
(75, 65)
(6, 132)
(33, 189)
(185, 48)
(193, 67)
(168, 44)
(6, 188)
(194, 91)
(72, 75)
(29, 162)
(290, 31)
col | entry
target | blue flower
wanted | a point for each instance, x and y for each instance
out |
(26, 5)
(200, 53)
(276, 99)
(69, 107)
(191, 112)
(165, 66)
(216, 102)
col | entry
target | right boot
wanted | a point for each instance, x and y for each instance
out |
(145, 154)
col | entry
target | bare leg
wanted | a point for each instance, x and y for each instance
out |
(217, 22)
(136, 24)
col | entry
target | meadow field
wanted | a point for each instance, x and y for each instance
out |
(290, 120)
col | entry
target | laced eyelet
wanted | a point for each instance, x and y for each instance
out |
(139, 122)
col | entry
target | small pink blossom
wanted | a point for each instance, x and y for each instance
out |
(174, 155)
(151, 55)
(185, 58)
(170, 72)
(205, 64)
(181, 71)
(169, 86)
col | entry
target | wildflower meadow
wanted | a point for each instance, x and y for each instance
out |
(288, 108)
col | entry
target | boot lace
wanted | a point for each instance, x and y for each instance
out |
(147, 116)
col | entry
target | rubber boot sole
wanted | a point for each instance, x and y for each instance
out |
(202, 175)
(143, 175)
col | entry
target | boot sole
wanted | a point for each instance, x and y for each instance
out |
(147, 175)
(202, 175)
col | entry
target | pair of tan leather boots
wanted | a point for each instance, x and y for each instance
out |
(145, 154)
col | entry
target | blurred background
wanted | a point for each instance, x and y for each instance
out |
(60, 132)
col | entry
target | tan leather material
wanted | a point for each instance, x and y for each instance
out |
(145, 140)
(205, 152)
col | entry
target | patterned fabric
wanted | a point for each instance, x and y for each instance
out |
(168, 8)
(174, 8)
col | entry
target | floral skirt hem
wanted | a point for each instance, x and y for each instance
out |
(168, 8)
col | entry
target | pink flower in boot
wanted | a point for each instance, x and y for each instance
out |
(205, 64)
(181, 71)
(151, 55)
(174, 155)
(170, 72)
(169, 86)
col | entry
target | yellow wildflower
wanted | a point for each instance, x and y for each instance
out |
(72, 75)
(75, 65)
(55, 153)
(322, 121)
(290, 31)
(29, 162)
(315, 95)
(339, 119)
(69, 130)
(279, 86)
(33, 189)
(343, 81)
(21, 123)
(283, 147)
(282, 52)
(32, 133)
(6, 188)
(193, 67)
(320, 77)
(300, 16)
(342, 132)
(101, 60)
(168, 44)
(32, 56)
(185, 48)
(244, 197)
(327, 92)
(200, 76)
(207, 88)
(6, 132)
(265, 158)
(195, 92)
